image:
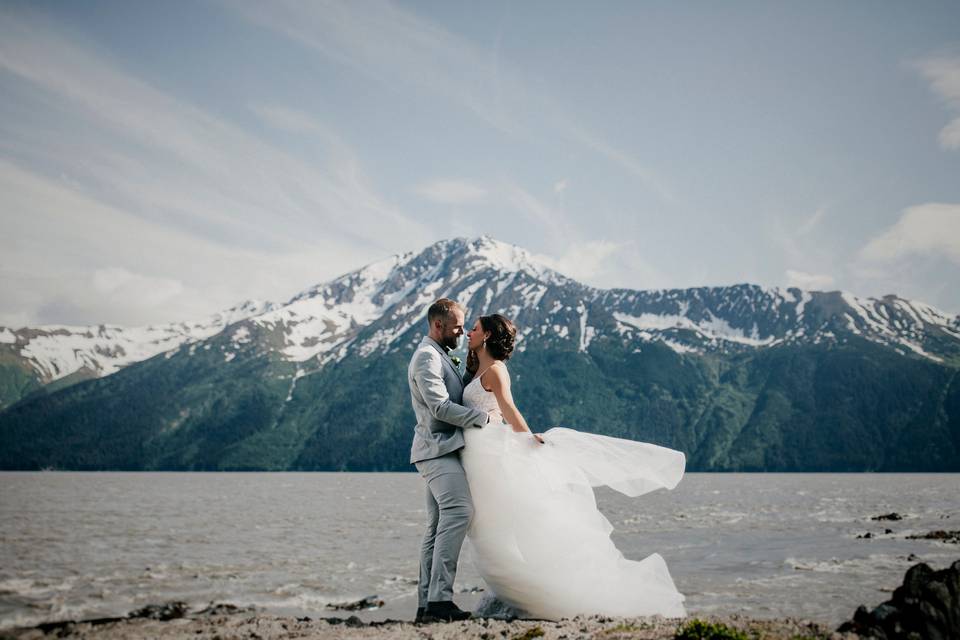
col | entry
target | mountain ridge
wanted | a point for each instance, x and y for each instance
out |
(685, 319)
(740, 378)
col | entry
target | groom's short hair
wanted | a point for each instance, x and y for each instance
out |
(441, 309)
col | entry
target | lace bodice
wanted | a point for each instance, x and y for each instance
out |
(476, 397)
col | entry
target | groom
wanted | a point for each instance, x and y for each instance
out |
(436, 391)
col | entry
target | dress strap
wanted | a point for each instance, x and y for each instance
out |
(480, 375)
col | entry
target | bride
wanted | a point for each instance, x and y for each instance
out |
(539, 541)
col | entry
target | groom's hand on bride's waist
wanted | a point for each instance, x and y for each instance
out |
(539, 438)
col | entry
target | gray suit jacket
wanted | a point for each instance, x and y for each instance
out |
(436, 391)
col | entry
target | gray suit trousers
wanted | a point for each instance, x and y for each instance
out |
(449, 511)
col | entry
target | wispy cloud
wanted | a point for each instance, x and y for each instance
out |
(393, 45)
(126, 285)
(926, 230)
(648, 177)
(177, 188)
(607, 263)
(809, 281)
(543, 214)
(390, 45)
(943, 73)
(68, 254)
(601, 262)
(455, 192)
(209, 168)
(812, 221)
(289, 119)
(583, 261)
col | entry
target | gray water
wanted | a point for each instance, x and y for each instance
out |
(80, 545)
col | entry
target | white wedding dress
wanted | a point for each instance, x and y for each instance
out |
(538, 539)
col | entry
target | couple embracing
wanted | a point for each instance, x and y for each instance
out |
(525, 500)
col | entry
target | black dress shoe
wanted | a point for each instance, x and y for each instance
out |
(420, 612)
(444, 611)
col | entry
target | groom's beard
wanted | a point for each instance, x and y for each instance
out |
(451, 342)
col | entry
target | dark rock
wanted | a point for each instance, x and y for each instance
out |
(861, 616)
(913, 581)
(222, 609)
(63, 627)
(370, 602)
(387, 623)
(945, 536)
(888, 516)
(926, 605)
(866, 535)
(352, 621)
(168, 611)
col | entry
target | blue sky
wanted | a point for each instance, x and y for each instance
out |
(161, 161)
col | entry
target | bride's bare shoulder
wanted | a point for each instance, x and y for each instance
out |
(498, 373)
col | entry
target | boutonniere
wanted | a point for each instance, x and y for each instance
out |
(456, 361)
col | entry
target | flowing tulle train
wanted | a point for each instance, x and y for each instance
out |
(538, 539)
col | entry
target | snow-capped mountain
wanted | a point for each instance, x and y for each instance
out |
(57, 351)
(374, 308)
(739, 377)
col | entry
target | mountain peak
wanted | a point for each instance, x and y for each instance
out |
(487, 252)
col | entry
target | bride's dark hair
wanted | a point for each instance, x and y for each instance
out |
(502, 335)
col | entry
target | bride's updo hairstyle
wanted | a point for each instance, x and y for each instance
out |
(502, 335)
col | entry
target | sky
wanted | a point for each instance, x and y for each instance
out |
(161, 161)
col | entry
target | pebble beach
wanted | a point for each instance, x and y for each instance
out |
(228, 623)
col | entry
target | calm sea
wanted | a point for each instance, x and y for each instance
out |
(78, 545)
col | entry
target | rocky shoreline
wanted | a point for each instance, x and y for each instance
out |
(226, 622)
(925, 607)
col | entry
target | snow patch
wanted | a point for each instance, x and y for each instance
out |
(465, 296)
(586, 333)
(679, 347)
(714, 328)
(532, 297)
(805, 297)
(919, 350)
